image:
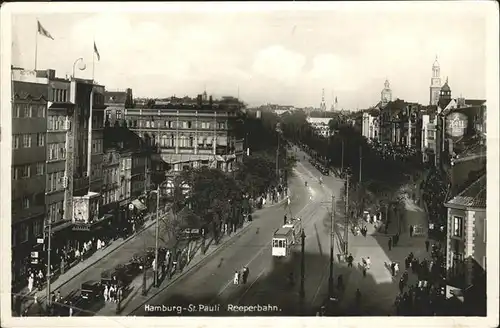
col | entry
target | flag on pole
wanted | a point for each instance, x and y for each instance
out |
(97, 52)
(43, 31)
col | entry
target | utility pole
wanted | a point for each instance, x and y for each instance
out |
(332, 221)
(48, 260)
(277, 159)
(156, 234)
(342, 161)
(302, 292)
(346, 224)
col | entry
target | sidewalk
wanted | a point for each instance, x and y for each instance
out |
(74, 271)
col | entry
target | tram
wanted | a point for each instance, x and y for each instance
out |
(282, 242)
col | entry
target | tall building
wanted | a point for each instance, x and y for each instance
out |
(435, 87)
(116, 102)
(29, 157)
(386, 93)
(322, 105)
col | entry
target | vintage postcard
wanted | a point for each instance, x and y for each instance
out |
(235, 163)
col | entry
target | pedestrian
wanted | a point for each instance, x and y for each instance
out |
(411, 230)
(427, 246)
(236, 277)
(390, 243)
(396, 268)
(358, 297)
(246, 272)
(393, 270)
(350, 259)
(368, 262)
(52, 298)
(31, 279)
(284, 219)
(70, 310)
(106, 293)
(401, 285)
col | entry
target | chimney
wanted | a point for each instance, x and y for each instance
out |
(51, 74)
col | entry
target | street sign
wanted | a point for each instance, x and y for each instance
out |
(39, 240)
(34, 255)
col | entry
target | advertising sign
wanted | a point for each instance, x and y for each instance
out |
(456, 125)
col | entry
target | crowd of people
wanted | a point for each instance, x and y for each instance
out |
(394, 151)
(425, 296)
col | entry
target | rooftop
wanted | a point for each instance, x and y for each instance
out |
(472, 196)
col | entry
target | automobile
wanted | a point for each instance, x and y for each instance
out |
(91, 290)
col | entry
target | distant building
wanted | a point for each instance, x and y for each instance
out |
(320, 125)
(386, 94)
(435, 86)
(371, 125)
(189, 133)
(116, 102)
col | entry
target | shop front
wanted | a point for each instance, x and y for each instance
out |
(137, 213)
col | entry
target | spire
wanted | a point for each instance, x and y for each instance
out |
(322, 106)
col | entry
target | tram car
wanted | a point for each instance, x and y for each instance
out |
(282, 242)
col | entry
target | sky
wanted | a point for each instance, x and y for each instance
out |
(282, 55)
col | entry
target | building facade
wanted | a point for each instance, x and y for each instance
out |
(371, 126)
(116, 102)
(29, 156)
(466, 242)
(187, 134)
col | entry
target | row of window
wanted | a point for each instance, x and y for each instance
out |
(126, 164)
(28, 140)
(28, 201)
(175, 124)
(56, 151)
(55, 211)
(55, 181)
(22, 232)
(111, 176)
(56, 123)
(25, 171)
(28, 110)
(59, 95)
(110, 196)
(458, 227)
(96, 171)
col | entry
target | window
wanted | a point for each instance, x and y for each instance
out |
(26, 202)
(16, 141)
(26, 140)
(23, 172)
(40, 139)
(40, 168)
(458, 226)
(119, 114)
(37, 228)
(40, 111)
(24, 233)
(484, 230)
(17, 109)
(27, 110)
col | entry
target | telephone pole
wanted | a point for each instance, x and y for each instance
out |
(332, 221)
(346, 223)
(48, 260)
(302, 292)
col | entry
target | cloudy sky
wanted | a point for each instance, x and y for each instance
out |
(285, 55)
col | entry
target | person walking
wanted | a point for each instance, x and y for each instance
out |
(389, 242)
(236, 278)
(105, 293)
(411, 230)
(427, 246)
(350, 259)
(393, 270)
(31, 280)
(246, 272)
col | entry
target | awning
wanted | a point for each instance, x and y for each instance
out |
(60, 226)
(139, 205)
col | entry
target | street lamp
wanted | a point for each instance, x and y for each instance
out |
(157, 192)
(82, 68)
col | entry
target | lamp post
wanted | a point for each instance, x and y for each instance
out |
(302, 271)
(80, 68)
(332, 219)
(346, 224)
(155, 269)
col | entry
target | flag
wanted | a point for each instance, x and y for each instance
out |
(43, 31)
(97, 52)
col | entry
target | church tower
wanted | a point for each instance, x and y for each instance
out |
(386, 94)
(322, 106)
(435, 87)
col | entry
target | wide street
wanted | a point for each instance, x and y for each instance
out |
(212, 283)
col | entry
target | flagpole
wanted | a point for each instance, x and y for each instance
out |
(93, 61)
(36, 43)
